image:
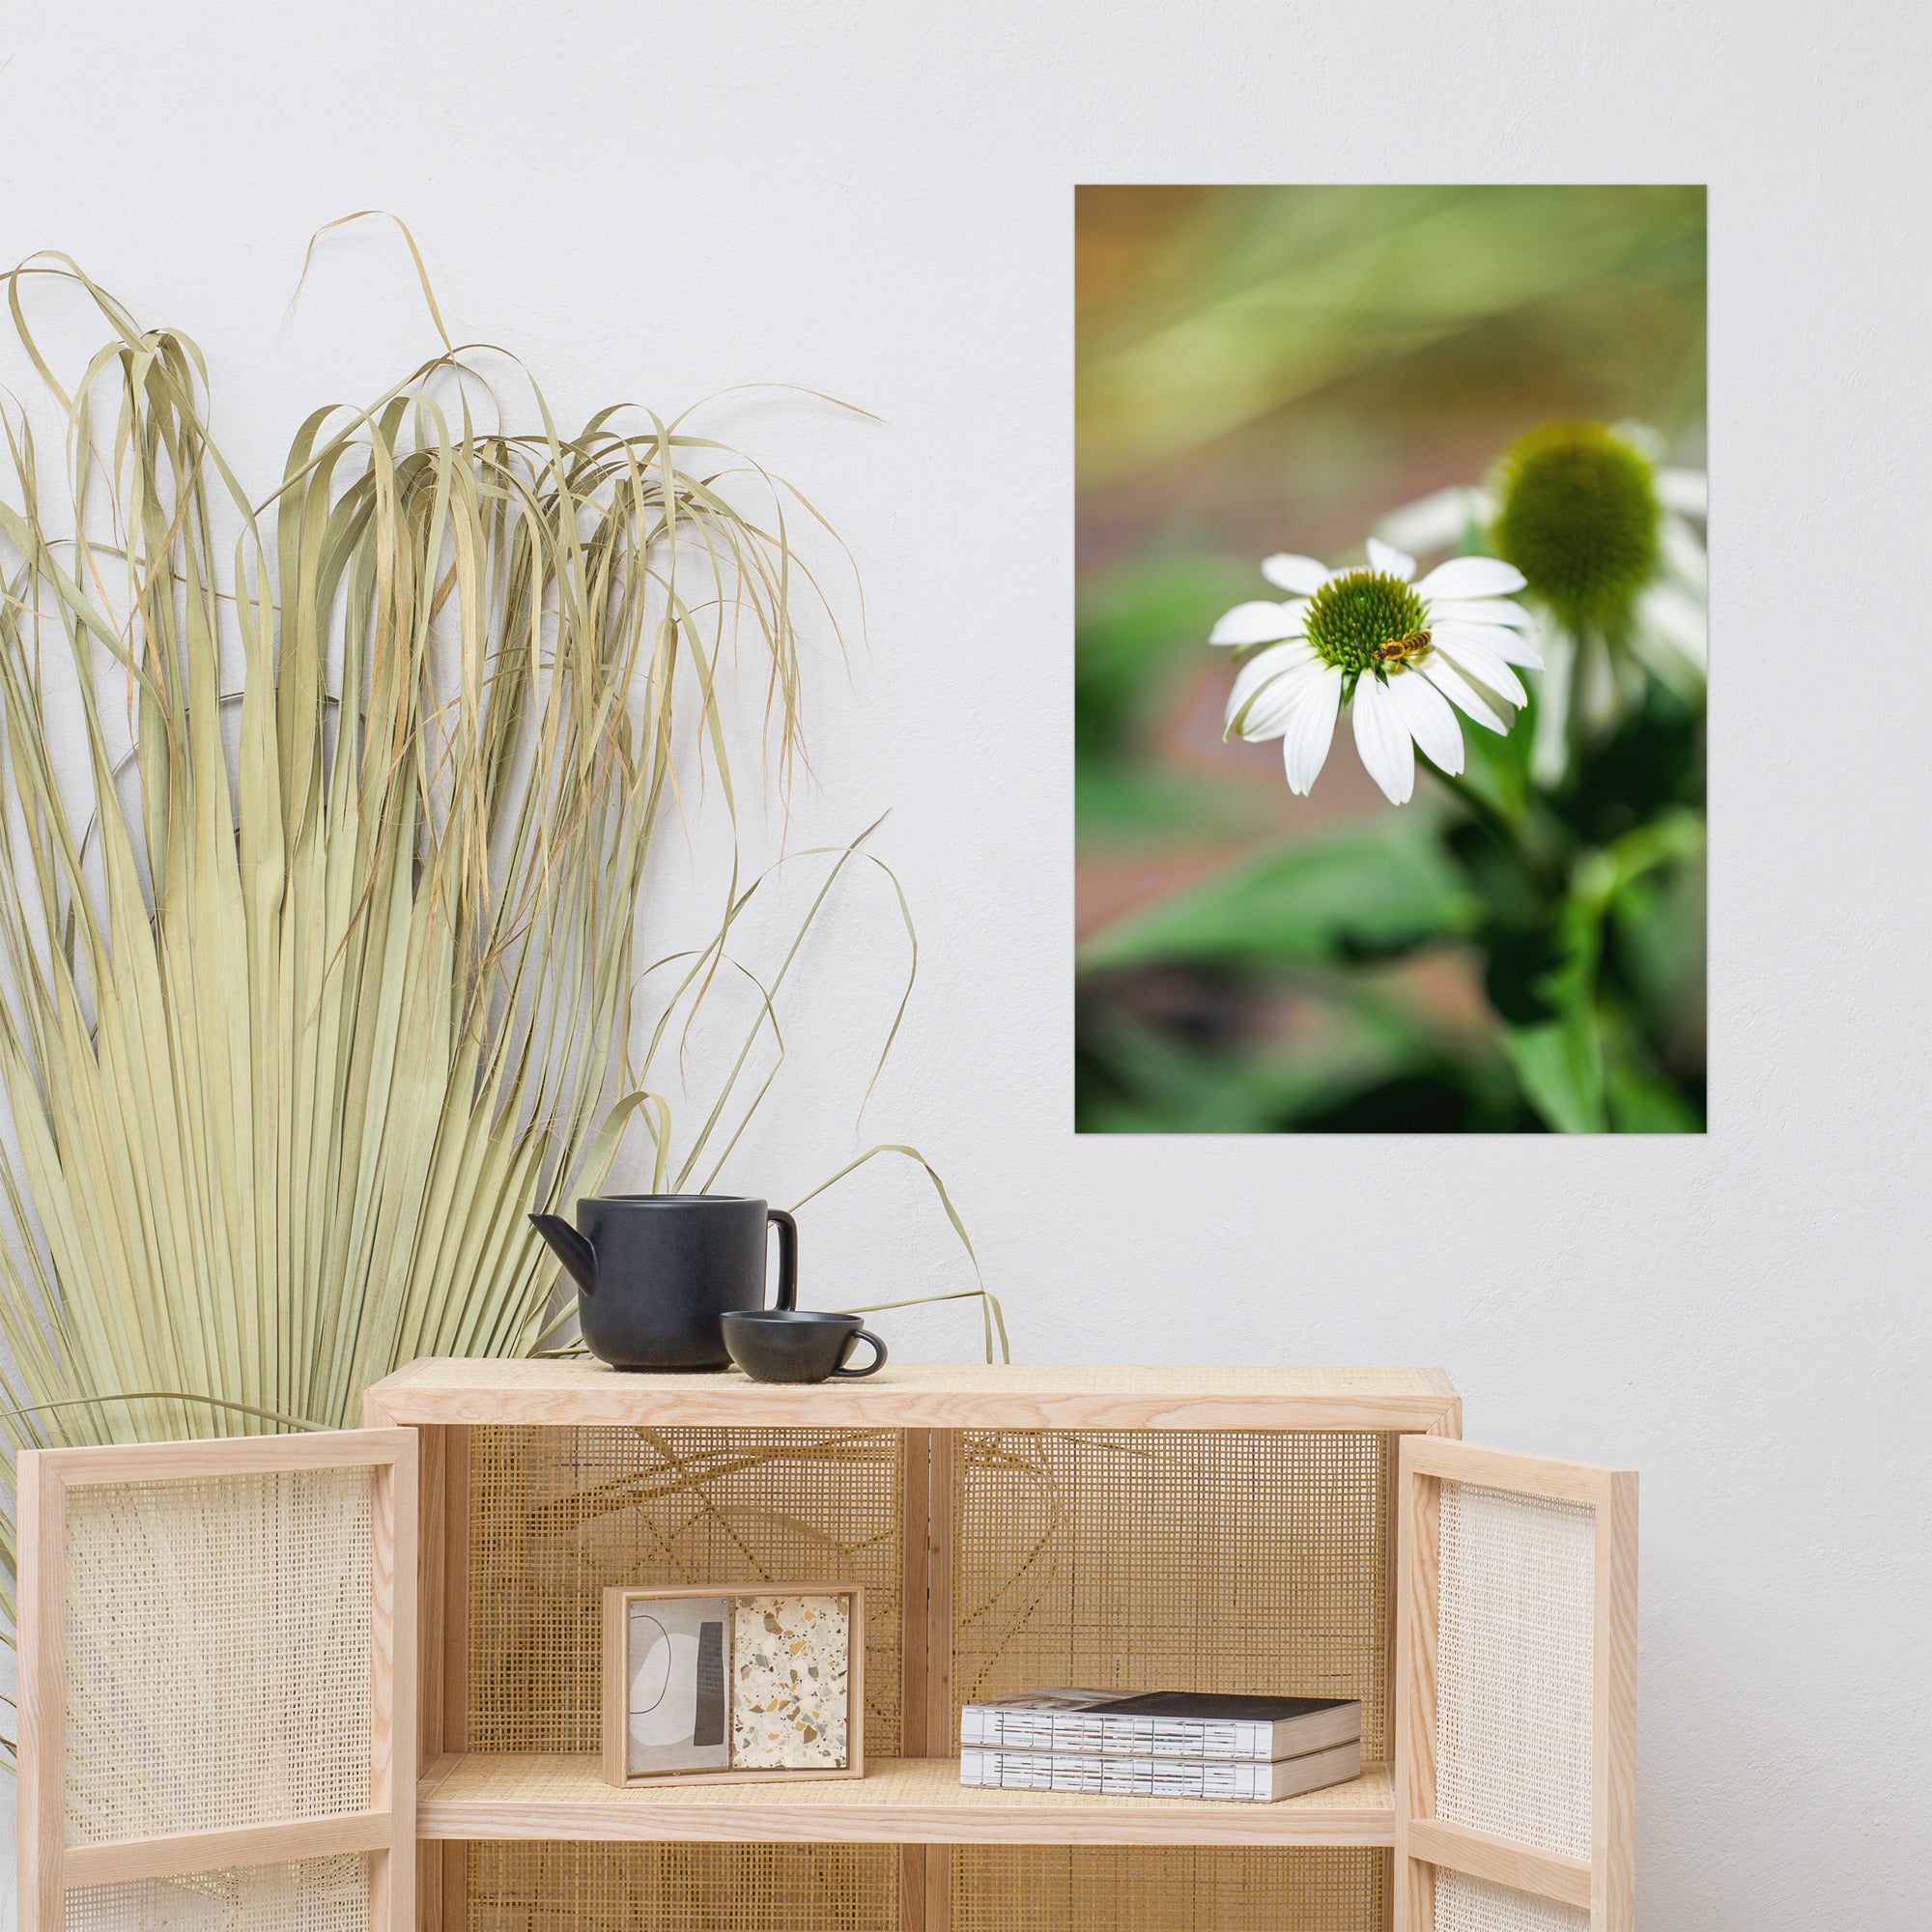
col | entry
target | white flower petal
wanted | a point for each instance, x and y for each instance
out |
(1550, 753)
(1390, 561)
(1382, 739)
(1251, 711)
(1437, 521)
(1426, 712)
(1300, 574)
(1648, 442)
(1258, 624)
(1598, 699)
(1677, 618)
(1512, 646)
(1490, 611)
(1688, 491)
(1267, 717)
(1304, 747)
(1262, 711)
(1258, 700)
(1455, 686)
(1684, 556)
(1648, 652)
(1268, 664)
(1480, 663)
(1471, 577)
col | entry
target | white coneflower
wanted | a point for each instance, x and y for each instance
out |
(1605, 534)
(1397, 652)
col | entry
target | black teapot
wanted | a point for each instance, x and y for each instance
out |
(656, 1272)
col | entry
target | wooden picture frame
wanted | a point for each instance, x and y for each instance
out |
(1596, 1880)
(53, 1485)
(615, 1726)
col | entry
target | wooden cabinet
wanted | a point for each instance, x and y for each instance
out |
(1319, 1531)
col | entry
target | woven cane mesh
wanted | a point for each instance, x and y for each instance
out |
(1252, 1561)
(1464, 1904)
(559, 1514)
(313, 1895)
(538, 1887)
(1119, 1889)
(1514, 1667)
(217, 1651)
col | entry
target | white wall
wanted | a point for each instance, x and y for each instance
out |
(875, 200)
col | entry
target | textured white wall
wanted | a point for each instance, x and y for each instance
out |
(875, 200)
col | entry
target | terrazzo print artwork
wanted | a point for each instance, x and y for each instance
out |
(791, 1659)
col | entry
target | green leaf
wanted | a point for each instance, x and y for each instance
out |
(1130, 804)
(1139, 623)
(1136, 1078)
(1561, 1066)
(1640, 1104)
(1345, 897)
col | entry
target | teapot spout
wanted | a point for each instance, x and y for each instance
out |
(570, 1248)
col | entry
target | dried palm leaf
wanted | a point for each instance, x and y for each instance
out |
(320, 974)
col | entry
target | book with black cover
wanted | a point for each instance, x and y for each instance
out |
(1162, 1724)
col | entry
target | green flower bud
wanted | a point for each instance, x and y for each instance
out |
(1580, 519)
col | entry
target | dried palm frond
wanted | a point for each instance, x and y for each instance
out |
(317, 973)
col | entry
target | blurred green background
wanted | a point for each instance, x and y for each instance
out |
(1264, 369)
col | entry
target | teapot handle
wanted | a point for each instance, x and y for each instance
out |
(787, 1257)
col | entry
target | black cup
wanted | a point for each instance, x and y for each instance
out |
(789, 1345)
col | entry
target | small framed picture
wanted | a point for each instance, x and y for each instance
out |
(751, 1684)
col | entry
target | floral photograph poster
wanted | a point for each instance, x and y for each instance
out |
(1391, 660)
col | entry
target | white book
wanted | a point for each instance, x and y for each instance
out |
(1231, 1781)
(1162, 1724)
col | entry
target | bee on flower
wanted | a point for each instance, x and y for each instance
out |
(1402, 656)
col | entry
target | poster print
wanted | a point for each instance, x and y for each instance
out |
(1391, 660)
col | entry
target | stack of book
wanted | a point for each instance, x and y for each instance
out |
(1164, 1744)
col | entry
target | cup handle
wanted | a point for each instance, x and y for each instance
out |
(787, 1257)
(872, 1367)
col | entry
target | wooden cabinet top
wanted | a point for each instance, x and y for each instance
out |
(916, 1395)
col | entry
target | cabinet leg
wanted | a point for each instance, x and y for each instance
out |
(911, 1888)
(925, 1888)
(938, 1887)
(442, 1872)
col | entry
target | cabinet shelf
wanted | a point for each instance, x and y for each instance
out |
(918, 1395)
(898, 1801)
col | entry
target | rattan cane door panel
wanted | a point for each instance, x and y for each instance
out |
(203, 1692)
(1192, 1560)
(1466, 1904)
(218, 1702)
(1515, 1694)
(309, 1896)
(1514, 1665)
